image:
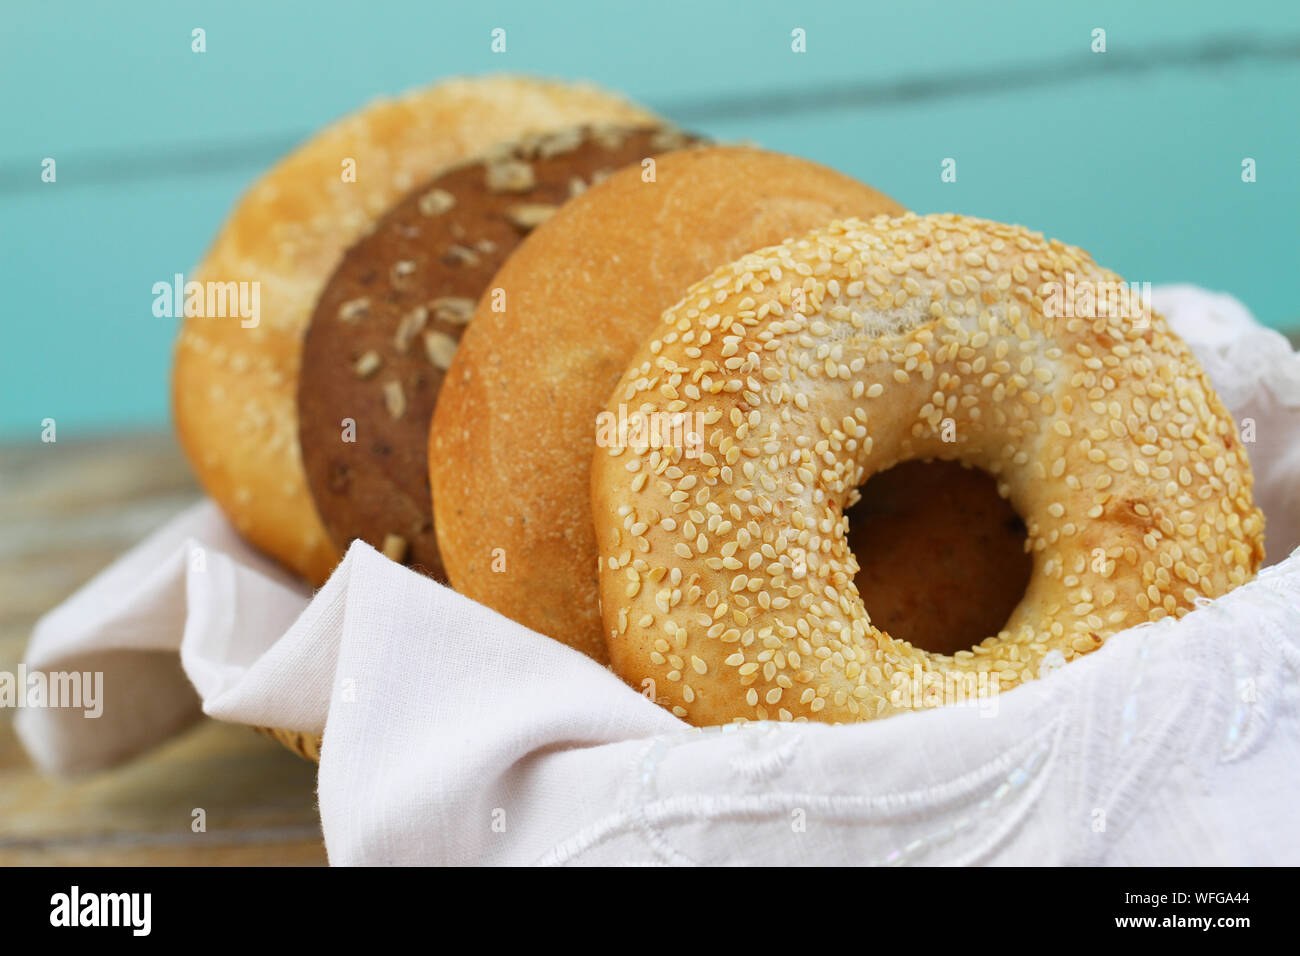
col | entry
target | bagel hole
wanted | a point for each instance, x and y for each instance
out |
(942, 557)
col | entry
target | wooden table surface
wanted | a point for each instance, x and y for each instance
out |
(67, 510)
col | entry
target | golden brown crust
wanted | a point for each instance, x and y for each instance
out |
(233, 388)
(510, 446)
(726, 576)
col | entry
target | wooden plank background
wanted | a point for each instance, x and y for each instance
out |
(68, 509)
(1134, 154)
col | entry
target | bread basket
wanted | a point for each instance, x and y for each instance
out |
(305, 745)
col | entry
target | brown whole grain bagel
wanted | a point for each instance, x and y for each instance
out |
(234, 387)
(387, 325)
(512, 436)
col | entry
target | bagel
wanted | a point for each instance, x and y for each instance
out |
(511, 442)
(796, 372)
(234, 387)
(387, 324)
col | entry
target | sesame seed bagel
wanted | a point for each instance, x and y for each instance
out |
(511, 440)
(725, 574)
(234, 387)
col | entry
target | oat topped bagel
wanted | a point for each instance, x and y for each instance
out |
(234, 384)
(784, 380)
(388, 322)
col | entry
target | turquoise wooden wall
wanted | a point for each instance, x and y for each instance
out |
(1134, 154)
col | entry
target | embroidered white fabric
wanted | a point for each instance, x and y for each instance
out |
(455, 736)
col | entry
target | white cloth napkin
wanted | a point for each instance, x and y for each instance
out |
(453, 735)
